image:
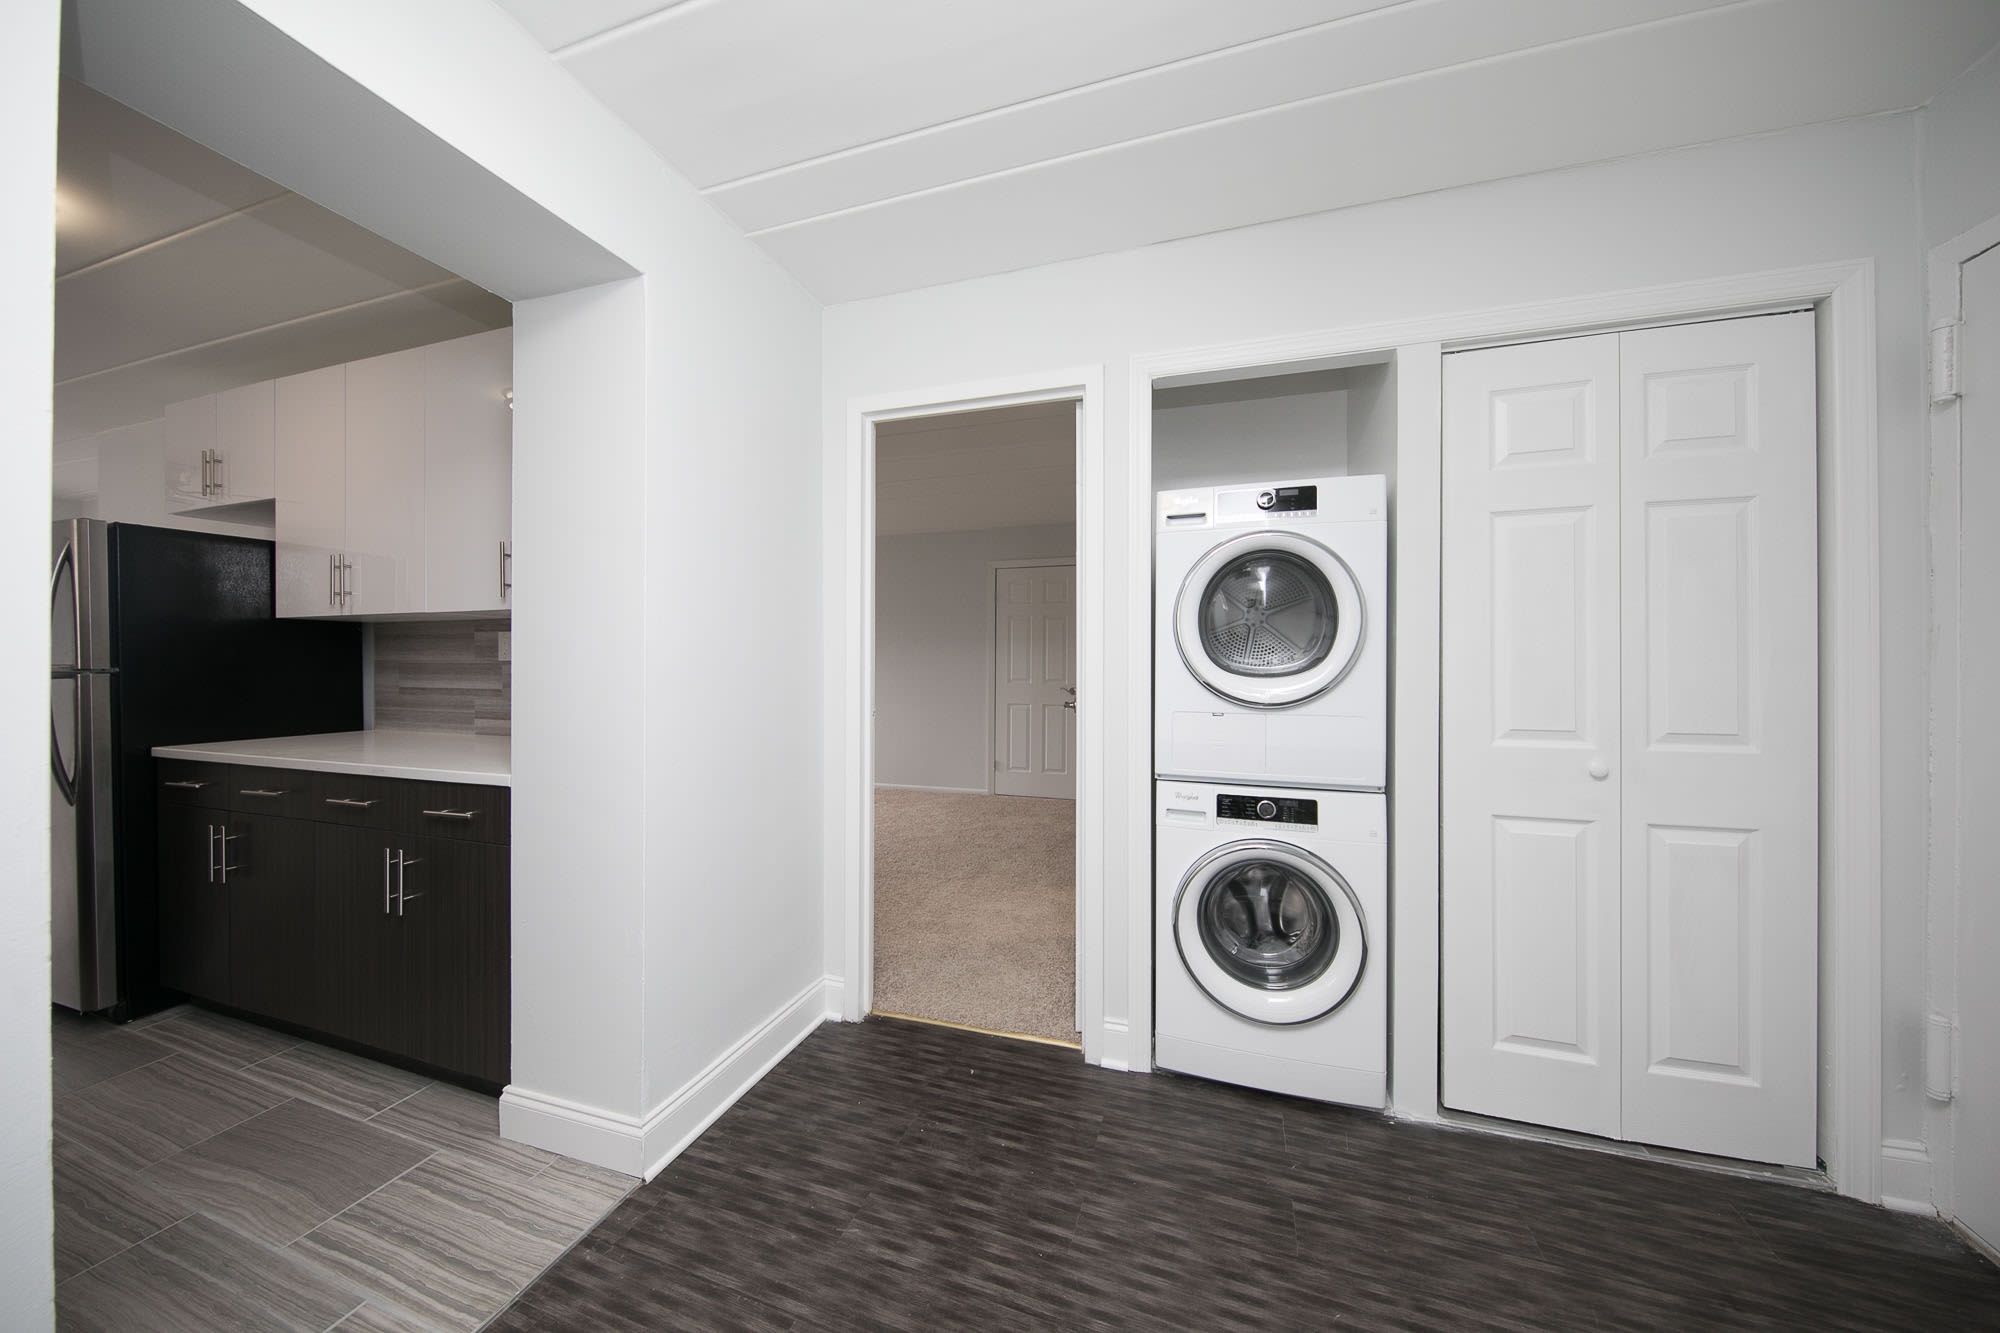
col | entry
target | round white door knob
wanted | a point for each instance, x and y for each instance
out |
(1599, 769)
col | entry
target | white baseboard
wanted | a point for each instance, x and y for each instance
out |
(946, 791)
(836, 998)
(1115, 1049)
(643, 1145)
(1906, 1178)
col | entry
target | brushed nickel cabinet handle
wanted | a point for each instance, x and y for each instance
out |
(211, 853)
(452, 814)
(332, 581)
(258, 791)
(351, 803)
(222, 861)
(385, 881)
(184, 786)
(403, 863)
(506, 569)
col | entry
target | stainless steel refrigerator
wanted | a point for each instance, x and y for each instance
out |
(160, 637)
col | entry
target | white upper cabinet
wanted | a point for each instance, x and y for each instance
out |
(394, 482)
(385, 483)
(222, 449)
(245, 464)
(312, 490)
(468, 472)
(190, 445)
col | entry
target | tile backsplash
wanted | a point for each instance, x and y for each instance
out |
(444, 675)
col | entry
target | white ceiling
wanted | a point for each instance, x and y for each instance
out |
(179, 273)
(889, 145)
(1008, 467)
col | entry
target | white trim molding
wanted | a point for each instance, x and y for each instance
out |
(1906, 1177)
(1944, 806)
(851, 757)
(1850, 651)
(644, 1145)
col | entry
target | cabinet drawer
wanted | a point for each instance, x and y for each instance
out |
(468, 811)
(185, 782)
(271, 791)
(361, 802)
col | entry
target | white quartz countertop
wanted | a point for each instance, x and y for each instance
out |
(434, 756)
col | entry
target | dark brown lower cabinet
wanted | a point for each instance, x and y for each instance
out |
(364, 984)
(273, 937)
(455, 924)
(194, 902)
(381, 935)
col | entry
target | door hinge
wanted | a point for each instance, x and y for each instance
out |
(1940, 1057)
(1944, 363)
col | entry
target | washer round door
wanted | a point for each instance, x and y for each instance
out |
(1269, 619)
(1270, 932)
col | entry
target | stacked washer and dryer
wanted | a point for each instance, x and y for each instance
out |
(1271, 825)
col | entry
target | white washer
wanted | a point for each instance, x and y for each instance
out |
(1271, 952)
(1272, 633)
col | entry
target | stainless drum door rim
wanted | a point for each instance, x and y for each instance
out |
(1307, 1003)
(1271, 691)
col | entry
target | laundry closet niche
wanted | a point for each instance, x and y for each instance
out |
(1276, 424)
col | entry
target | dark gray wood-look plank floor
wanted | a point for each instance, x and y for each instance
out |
(892, 1175)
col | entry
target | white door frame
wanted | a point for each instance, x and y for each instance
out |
(1919, 1176)
(1850, 658)
(993, 568)
(852, 994)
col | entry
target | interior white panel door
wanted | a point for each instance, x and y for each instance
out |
(1976, 1132)
(1720, 828)
(1034, 681)
(385, 483)
(468, 471)
(310, 430)
(1529, 732)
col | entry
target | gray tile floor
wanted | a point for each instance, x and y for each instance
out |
(213, 1174)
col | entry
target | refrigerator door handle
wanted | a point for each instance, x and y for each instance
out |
(66, 780)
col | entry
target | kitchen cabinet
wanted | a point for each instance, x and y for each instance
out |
(468, 473)
(372, 910)
(384, 467)
(311, 517)
(194, 901)
(272, 945)
(221, 449)
(397, 497)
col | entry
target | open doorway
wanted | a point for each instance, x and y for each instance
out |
(975, 720)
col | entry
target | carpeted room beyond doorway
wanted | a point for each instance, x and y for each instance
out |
(975, 910)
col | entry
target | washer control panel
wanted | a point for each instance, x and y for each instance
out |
(1288, 499)
(1267, 809)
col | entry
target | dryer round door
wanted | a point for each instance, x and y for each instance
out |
(1270, 932)
(1269, 619)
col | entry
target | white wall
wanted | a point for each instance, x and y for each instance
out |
(447, 129)
(1960, 134)
(933, 649)
(1819, 195)
(27, 304)
(131, 481)
(1276, 429)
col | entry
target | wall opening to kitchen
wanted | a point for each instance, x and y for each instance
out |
(975, 707)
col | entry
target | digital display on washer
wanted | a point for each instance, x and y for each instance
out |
(1267, 809)
(1288, 499)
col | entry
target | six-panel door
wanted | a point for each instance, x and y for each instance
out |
(1629, 736)
(1034, 681)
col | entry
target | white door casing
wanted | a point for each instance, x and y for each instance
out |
(1529, 718)
(1975, 1138)
(1034, 680)
(1629, 795)
(1720, 666)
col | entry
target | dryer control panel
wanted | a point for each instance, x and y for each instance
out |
(1267, 809)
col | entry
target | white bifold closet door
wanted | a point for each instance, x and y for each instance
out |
(1630, 736)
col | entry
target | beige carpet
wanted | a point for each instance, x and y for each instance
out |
(975, 910)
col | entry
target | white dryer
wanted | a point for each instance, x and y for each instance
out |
(1271, 661)
(1270, 960)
